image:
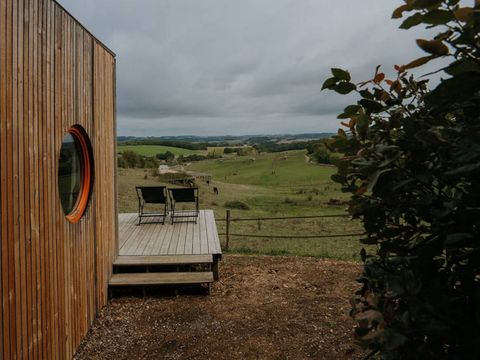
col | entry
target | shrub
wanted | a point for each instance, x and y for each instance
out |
(167, 156)
(236, 205)
(412, 165)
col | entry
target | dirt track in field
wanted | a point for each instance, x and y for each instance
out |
(262, 308)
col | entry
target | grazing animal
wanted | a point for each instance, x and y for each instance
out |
(208, 182)
(215, 190)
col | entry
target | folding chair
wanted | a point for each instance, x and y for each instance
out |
(151, 195)
(183, 195)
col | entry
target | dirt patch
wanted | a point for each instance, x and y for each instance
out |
(262, 308)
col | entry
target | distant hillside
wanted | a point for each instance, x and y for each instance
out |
(227, 139)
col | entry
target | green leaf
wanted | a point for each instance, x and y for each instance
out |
(343, 116)
(373, 181)
(371, 106)
(464, 169)
(366, 94)
(352, 109)
(412, 21)
(458, 88)
(424, 4)
(337, 178)
(344, 87)
(341, 74)
(462, 66)
(437, 17)
(363, 121)
(349, 111)
(329, 83)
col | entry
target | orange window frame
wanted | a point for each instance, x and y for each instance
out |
(79, 135)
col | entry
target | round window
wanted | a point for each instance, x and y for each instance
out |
(75, 173)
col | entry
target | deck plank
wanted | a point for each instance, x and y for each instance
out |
(165, 242)
(203, 236)
(175, 278)
(172, 246)
(145, 232)
(134, 260)
(182, 238)
(213, 235)
(153, 234)
(196, 239)
(129, 229)
(156, 236)
(188, 248)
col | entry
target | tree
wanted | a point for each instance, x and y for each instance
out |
(412, 164)
(167, 156)
(319, 151)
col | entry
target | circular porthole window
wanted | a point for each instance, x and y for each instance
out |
(75, 173)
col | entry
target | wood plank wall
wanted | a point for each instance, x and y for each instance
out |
(53, 274)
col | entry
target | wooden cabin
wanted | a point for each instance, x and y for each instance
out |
(60, 250)
(57, 171)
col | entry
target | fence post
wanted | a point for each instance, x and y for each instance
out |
(227, 231)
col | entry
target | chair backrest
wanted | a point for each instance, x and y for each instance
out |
(152, 194)
(184, 194)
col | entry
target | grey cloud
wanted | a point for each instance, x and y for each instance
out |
(226, 66)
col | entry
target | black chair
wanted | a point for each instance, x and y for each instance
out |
(183, 195)
(152, 195)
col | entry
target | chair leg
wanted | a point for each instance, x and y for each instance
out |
(140, 213)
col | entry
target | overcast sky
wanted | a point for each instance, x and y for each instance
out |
(216, 67)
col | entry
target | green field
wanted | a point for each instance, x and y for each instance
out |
(271, 185)
(268, 169)
(152, 150)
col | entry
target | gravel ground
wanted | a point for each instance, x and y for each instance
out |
(262, 308)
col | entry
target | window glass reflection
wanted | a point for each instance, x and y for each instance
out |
(70, 173)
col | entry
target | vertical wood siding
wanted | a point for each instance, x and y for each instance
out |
(53, 274)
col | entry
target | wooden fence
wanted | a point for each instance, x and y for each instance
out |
(228, 234)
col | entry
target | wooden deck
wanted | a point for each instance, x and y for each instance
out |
(192, 249)
(182, 238)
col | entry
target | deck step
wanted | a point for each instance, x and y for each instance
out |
(133, 260)
(173, 278)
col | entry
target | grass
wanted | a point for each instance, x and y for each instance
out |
(277, 169)
(296, 188)
(152, 150)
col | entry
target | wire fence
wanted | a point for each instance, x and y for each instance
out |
(229, 220)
